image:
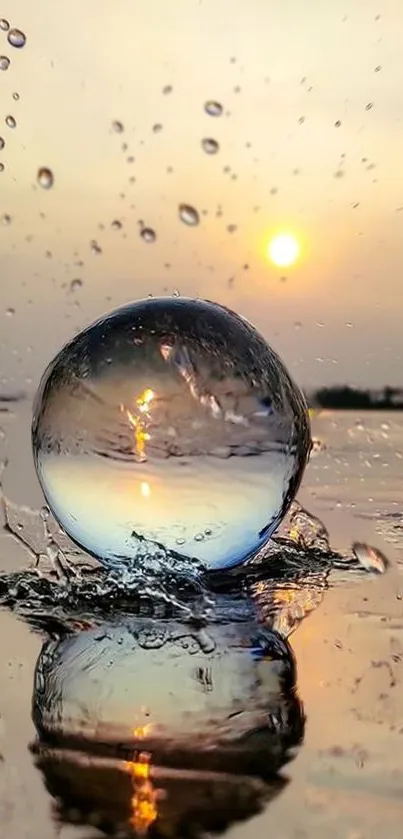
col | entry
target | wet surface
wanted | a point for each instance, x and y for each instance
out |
(274, 709)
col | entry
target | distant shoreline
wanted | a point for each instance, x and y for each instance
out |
(344, 397)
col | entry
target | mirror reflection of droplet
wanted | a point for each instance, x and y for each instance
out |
(10, 121)
(188, 215)
(169, 419)
(45, 178)
(4, 62)
(148, 234)
(210, 146)
(213, 108)
(16, 38)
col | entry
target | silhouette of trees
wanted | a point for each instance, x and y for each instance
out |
(351, 398)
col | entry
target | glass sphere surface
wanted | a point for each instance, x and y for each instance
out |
(169, 421)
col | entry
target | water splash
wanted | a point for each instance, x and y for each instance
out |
(281, 585)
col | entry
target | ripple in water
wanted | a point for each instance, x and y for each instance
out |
(170, 425)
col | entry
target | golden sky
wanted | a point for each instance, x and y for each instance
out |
(310, 142)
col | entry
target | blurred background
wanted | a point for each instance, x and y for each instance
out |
(249, 153)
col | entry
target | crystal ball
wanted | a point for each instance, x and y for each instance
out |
(172, 422)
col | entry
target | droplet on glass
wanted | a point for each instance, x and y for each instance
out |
(369, 106)
(1, 167)
(148, 234)
(4, 62)
(213, 109)
(6, 219)
(116, 224)
(232, 228)
(132, 452)
(301, 120)
(337, 123)
(16, 96)
(378, 68)
(210, 146)
(2, 143)
(4, 24)
(45, 177)
(167, 89)
(10, 312)
(117, 126)
(16, 38)
(188, 215)
(10, 121)
(157, 127)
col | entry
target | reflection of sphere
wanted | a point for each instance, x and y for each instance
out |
(212, 711)
(172, 421)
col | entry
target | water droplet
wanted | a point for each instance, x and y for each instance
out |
(75, 285)
(95, 247)
(117, 126)
(2, 143)
(45, 177)
(157, 127)
(369, 106)
(301, 120)
(16, 38)
(44, 513)
(10, 312)
(16, 96)
(148, 234)
(4, 62)
(1, 167)
(378, 68)
(370, 558)
(188, 215)
(213, 108)
(116, 224)
(201, 370)
(210, 146)
(6, 219)
(337, 123)
(4, 24)
(232, 228)
(167, 89)
(10, 121)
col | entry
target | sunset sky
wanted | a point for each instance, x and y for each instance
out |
(310, 144)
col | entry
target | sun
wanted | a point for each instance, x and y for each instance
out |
(284, 249)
